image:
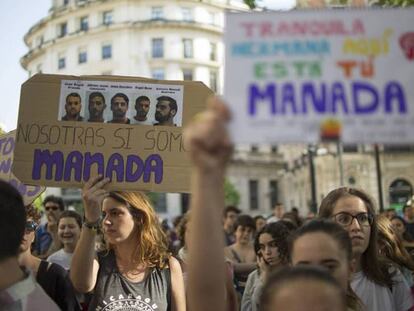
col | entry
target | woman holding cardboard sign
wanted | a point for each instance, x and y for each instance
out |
(136, 270)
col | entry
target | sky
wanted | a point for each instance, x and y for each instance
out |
(16, 19)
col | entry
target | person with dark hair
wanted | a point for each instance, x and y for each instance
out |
(302, 288)
(73, 108)
(377, 283)
(119, 108)
(96, 107)
(142, 107)
(390, 213)
(400, 227)
(326, 244)
(52, 277)
(18, 290)
(260, 222)
(46, 240)
(408, 213)
(277, 214)
(69, 228)
(136, 271)
(229, 220)
(166, 109)
(271, 249)
(241, 253)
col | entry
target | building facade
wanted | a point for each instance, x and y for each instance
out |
(160, 39)
(182, 40)
(388, 174)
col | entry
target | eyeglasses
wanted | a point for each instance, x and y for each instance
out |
(30, 226)
(346, 219)
(53, 207)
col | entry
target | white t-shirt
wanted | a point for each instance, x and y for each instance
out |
(61, 258)
(252, 292)
(379, 298)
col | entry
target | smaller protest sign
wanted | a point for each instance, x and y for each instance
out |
(7, 143)
(124, 128)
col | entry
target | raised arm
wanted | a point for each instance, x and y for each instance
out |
(84, 267)
(210, 149)
(177, 286)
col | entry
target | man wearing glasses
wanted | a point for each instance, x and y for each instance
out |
(46, 241)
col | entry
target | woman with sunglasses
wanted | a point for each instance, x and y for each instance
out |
(136, 271)
(379, 285)
(52, 277)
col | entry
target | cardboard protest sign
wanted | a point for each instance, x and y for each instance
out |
(7, 143)
(310, 75)
(128, 129)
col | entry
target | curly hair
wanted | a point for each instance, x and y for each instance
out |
(280, 235)
(152, 249)
(33, 212)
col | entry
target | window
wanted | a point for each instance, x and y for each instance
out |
(157, 12)
(213, 51)
(213, 81)
(61, 62)
(273, 193)
(107, 17)
(84, 24)
(82, 57)
(160, 202)
(188, 48)
(187, 74)
(157, 48)
(254, 194)
(158, 73)
(106, 51)
(65, 2)
(254, 148)
(398, 148)
(63, 29)
(350, 148)
(39, 41)
(274, 149)
(211, 18)
(187, 14)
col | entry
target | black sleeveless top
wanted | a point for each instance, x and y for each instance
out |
(115, 292)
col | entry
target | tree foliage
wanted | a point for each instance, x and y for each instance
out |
(251, 3)
(386, 3)
(231, 195)
(394, 3)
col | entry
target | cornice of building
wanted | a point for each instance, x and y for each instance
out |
(75, 7)
(163, 24)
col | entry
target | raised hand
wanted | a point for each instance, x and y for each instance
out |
(92, 195)
(207, 138)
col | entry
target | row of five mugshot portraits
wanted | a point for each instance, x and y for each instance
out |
(164, 112)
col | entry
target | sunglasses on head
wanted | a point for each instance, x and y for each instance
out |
(30, 225)
(52, 207)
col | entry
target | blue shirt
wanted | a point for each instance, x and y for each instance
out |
(43, 240)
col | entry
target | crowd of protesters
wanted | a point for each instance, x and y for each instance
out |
(119, 256)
